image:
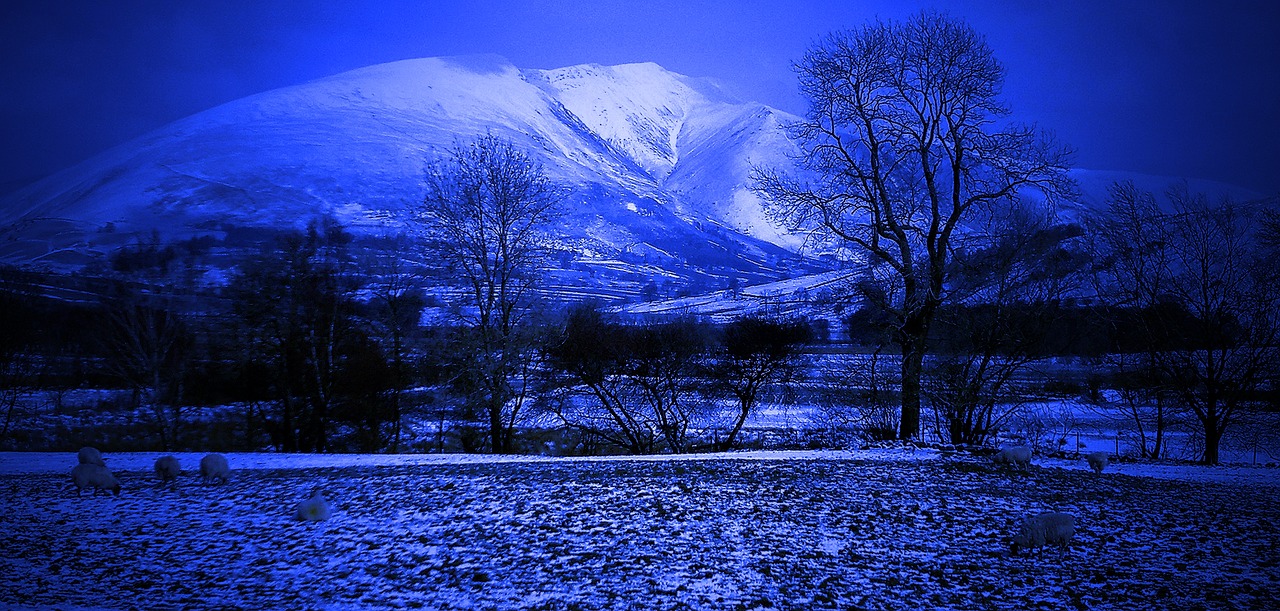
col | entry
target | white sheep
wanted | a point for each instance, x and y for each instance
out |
(97, 477)
(90, 456)
(1017, 456)
(1045, 529)
(1097, 461)
(168, 469)
(214, 469)
(314, 509)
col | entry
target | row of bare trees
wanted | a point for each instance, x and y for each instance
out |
(910, 168)
(287, 337)
(1175, 299)
(322, 349)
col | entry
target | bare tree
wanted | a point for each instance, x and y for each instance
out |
(593, 393)
(859, 397)
(636, 386)
(902, 142)
(1271, 229)
(757, 353)
(1135, 266)
(1233, 295)
(1210, 299)
(296, 308)
(486, 207)
(1143, 401)
(665, 366)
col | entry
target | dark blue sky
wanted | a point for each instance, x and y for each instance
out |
(1171, 88)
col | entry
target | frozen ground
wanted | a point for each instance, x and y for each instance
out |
(877, 530)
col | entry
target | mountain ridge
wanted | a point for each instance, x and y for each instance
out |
(401, 91)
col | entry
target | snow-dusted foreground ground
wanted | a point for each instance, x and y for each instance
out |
(876, 530)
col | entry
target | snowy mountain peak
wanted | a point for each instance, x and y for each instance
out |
(639, 109)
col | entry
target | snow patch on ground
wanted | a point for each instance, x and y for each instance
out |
(881, 529)
(723, 306)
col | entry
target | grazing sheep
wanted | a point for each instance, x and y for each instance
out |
(1018, 456)
(1097, 461)
(214, 469)
(97, 477)
(314, 509)
(167, 469)
(91, 456)
(1045, 529)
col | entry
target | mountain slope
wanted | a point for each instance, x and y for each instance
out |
(352, 146)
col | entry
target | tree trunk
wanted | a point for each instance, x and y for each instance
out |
(288, 426)
(497, 439)
(11, 402)
(1212, 442)
(395, 443)
(1160, 426)
(912, 368)
(745, 401)
(913, 337)
(397, 351)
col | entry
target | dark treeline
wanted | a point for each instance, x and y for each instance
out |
(1071, 328)
(314, 346)
(318, 342)
(310, 348)
(651, 386)
(286, 339)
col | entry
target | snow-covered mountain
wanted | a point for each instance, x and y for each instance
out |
(657, 163)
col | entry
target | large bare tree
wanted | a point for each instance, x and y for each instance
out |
(486, 208)
(758, 353)
(905, 135)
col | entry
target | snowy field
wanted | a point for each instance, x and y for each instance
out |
(884, 529)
